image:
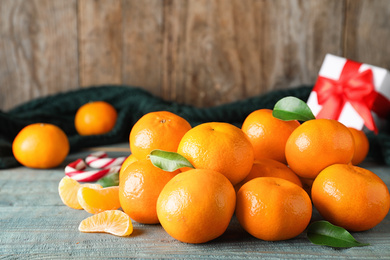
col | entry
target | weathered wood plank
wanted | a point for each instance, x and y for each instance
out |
(142, 44)
(196, 52)
(367, 32)
(38, 49)
(221, 51)
(100, 42)
(39, 226)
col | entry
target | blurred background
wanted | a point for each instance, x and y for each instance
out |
(198, 52)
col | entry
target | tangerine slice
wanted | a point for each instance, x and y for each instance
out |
(114, 222)
(67, 189)
(96, 200)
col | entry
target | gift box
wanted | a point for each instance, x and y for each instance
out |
(355, 94)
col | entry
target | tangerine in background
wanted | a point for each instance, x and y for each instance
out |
(95, 118)
(140, 185)
(221, 147)
(273, 209)
(41, 145)
(362, 146)
(157, 130)
(268, 134)
(270, 168)
(129, 160)
(316, 144)
(351, 197)
(196, 206)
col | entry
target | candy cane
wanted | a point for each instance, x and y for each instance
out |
(76, 170)
(99, 160)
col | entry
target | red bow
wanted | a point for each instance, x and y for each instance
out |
(354, 87)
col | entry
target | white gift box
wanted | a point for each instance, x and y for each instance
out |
(332, 68)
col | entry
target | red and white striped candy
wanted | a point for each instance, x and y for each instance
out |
(99, 160)
(76, 170)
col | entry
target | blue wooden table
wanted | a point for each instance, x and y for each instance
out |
(35, 224)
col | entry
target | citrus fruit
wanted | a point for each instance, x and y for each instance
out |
(114, 222)
(316, 144)
(68, 188)
(361, 146)
(95, 118)
(273, 209)
(270, 168)
(196, 206)
(139, 187)
(351, 197)
(129, 160)
(268, 134)
(221, 147)
(41, 145)
(96, 200)
(157, 130)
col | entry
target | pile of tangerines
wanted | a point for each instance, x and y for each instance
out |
(269, 173)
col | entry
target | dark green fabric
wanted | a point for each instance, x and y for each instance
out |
(132, 103)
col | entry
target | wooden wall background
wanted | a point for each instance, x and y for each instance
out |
(199, 52)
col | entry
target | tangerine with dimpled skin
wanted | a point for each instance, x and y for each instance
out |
(95, 118)
(157, 130)
(316, 144)
(362, 145)
(351, 197)
(273, 209)
(221, 147)
(196, 206)
(139, 187)
(41, 146)
(270, 168)
(129, 160)
(268, 134)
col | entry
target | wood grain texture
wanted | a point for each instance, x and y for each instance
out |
(367, 32)
(142, 44)
(198, 52)
(35, 224)
(221, 51)
(38, 49)
(100, 42)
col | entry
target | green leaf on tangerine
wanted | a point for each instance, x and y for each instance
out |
(109, 180)
(327, 234)
(168, 161)
(292, 108)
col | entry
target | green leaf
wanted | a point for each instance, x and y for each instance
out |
(325, 234)
(109, 180)
(168, 161)
(292, 108)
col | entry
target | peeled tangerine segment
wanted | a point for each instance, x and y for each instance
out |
(68, 188)
(96, 200)
(114, 222)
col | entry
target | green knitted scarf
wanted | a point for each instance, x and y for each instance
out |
(132, 103)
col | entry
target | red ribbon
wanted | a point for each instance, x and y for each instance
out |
(354, 87)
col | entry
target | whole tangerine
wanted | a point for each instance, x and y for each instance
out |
(316, 144)
(362, 146)
(157, 130)
(139, 187)
(221, 147)
(268, 134)
(129, 160)
(95, 118)
(196, 206)
(270, 168)
(273, 209)
(41, 145)
(351, 197)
